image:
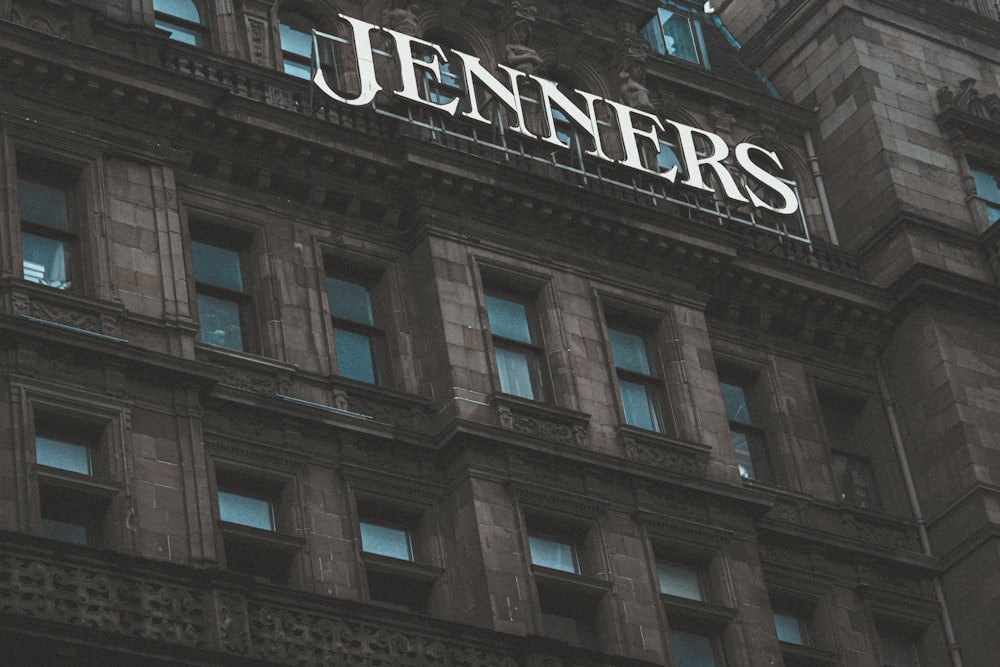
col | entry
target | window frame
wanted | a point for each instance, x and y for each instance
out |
(168, 22)
(755, 434)
(232, 241)
(979, 170)
(533, 351)
(658, 46)
(653, 383)
(370, 281)
(304, 61)
(58, 176)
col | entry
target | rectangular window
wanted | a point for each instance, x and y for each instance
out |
(682, 581)
(356, 338)
(692, 650)
(640, 389)
(519, 355)
(898, 650)
(49, 238)
(852, 469)
(223, 304)
(246, 510)
(988, 189)
(855, 480)
(791, 628)
(676, 34)
(748, 437)
(386, 540)
(553, 553)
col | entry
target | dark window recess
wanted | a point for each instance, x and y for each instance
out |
(853, 474)
(516, 345)
(681, 580)
(568, 617)
(224, 307)
(748, 437)
(357, 338)
(50, 242)
(693, 650)
(182, 19)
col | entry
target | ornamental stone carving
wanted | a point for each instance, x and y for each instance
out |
(968, 100)
(566, 433)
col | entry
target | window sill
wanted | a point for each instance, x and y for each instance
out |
(706, 615)
(271, 540)
(567, 582)
(94, 486)
(663, 451)
(395, 567)
(540, 420)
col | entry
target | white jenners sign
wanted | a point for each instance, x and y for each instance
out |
(637, 132)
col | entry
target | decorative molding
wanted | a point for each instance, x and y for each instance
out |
(663, 452)
(542, 422)
(968, 100)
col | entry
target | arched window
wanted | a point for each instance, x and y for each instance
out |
(295, 32)
(182, 19)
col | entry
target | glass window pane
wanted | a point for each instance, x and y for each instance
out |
(246, 511)
(301, 70)
(516, 370)
(988, 187)
(563, 628)
(667, 159)
(651, 32)
(692, 650)
(354, 356)
(629, 351)
(296, 36)
(184, 9)
(735, 398)
(898, 651)
(639, 407)
(741, 443)
(350, 301)
(43, 204)
(220, 322)
(64, 532)
(180, 33)
(679, 580)
(219, 267)
(678, 35)
(63, 455)
(552, 554)
(508, 319)
(45, 261)
(790, 629)
(386, 541)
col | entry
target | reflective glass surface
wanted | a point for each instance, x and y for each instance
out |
(508, 318)
(64, 531)
(692, 650)
(219, 267)
(553, 554)
(679, 580)
(220, 322)
(672, 33)
(184, 9)
(741, 443)
(988, 187)
(349, 301)
(43, 204)
(45, 261)
(790, 629)
(63, 455)
(245, 510)
(639, 408)
(735, 398)
(516, 369)
(629, 351)
(354, 356)
(386, 541)
(180, 33)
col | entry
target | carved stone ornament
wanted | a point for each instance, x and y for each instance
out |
(634, 93)
(402, 20)
(968, 100)
(566, 433)
(257, 34)
(27, 13)
(722, 121)
(662, 456)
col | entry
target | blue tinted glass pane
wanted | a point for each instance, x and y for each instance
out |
(789, 629)
(508, 319)
(385, 541)
(295, 40)
(678, 35)
(350, 301)
(184, 9)
(64, 532)
(180, 33)
(994, 214)
(43, 204)
(216, 266)
(651, 32)
(301, 70)
(692, 650)
(354, 356)
(741, 443)
(639, 409)
(220, 322)
(667, 159)
(629, 351)
(62, 455)
(45, 261)
(246, 511)
(516, 370)
(735, 399)
(987, 186)
(679, 580)
(552, 554)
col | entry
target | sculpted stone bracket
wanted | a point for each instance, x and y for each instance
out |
(62, 308)
(564, 427)
(686, 458)
(214, 611)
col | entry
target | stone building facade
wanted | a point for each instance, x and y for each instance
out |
(296, 381)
